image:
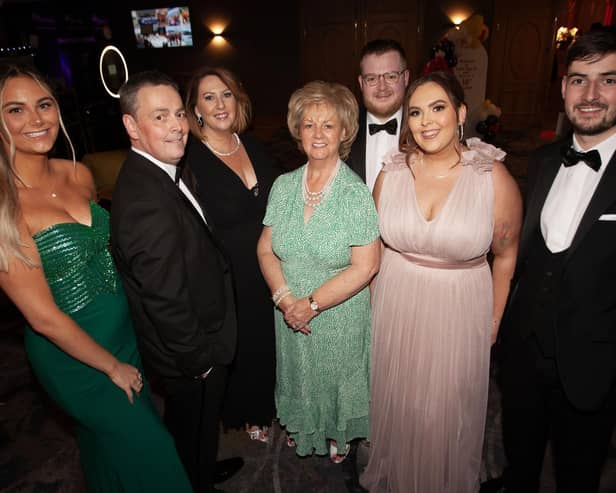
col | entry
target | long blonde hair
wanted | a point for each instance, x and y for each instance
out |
(10, 242)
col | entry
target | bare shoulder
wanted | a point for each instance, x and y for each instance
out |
(77, 174)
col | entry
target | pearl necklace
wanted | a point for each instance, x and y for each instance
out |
(225, 154)
(314, 199)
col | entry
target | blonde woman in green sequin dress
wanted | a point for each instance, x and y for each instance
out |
(55, 266)
(318, 251)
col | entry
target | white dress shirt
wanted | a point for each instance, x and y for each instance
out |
(171, 169)
(378, 145)
(570, 195)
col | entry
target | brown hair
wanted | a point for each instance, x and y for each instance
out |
(592, 45)
(380, 47)
(335, 95)
(445, 80)
(10, 242)
(244, 108)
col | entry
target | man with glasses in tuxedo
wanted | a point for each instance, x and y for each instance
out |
(383, 79)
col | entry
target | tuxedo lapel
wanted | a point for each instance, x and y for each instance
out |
(358, 150)
(543, 182)
(207, 224)
(603, 197)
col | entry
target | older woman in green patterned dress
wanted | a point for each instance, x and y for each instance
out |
(318, 251)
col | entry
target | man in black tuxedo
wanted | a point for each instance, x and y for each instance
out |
(557, 343)
(383, 79)
(174, 271)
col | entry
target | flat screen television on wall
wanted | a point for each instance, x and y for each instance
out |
(162, 28)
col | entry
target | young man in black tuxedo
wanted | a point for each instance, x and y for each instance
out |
(175, 274)
(557, 342)
(383, 80)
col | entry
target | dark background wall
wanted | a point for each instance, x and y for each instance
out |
(261, 44)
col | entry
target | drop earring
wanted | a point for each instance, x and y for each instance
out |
(200, 121)
(461, 132)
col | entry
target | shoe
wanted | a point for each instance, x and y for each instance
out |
(334, 456)
(259, 433)
(227, 468)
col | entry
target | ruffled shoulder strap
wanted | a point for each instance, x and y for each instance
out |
(481, 156)
(394, 160)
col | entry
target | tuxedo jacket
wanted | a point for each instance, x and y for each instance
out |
(357, 157)
(585, 318)
(174, 271)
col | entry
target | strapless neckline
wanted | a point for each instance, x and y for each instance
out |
(69, 224)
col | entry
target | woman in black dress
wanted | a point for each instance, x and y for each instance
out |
(233, 178)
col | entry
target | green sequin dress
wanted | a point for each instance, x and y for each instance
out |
(322, 380)
(124, 448)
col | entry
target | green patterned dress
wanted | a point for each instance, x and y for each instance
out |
(322, 380)
(124, 448)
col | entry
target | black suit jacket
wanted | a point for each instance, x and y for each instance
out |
(174, 271)
(357, 157)
(585, 322)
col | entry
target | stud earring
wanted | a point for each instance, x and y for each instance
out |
(200, 121)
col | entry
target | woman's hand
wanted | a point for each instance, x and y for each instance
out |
(298, 314)
(128, 378)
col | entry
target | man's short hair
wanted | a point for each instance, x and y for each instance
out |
(592, 45)
(129, 90)
(381, 46)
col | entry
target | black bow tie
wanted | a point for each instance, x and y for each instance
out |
(571, 157)
(390, 127)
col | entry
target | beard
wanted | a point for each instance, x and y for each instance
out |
(582, 127)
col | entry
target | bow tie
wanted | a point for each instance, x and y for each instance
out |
(390, 127)
(570, 157)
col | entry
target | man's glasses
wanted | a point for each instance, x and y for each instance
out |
(389, 77)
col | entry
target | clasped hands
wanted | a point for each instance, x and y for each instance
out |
(297, 313)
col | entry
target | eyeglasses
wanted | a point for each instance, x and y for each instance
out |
(389, 77)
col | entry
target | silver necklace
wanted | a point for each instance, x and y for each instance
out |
(314, 199)
(225, 154)
(439, 177)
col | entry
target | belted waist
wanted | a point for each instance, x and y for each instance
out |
(436, 263)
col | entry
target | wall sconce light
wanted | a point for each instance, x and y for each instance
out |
(458, 18)
(217, 28)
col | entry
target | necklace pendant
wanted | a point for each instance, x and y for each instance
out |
(53, 195)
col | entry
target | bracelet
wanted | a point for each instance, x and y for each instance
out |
(277, 296)
(282, 297)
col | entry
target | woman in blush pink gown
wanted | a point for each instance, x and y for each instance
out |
(436, 304)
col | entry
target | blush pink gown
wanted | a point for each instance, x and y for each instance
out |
(432, 316)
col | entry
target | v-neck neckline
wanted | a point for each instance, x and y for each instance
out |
(445, 202)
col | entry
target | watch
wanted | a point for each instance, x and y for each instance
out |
(313, 304)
